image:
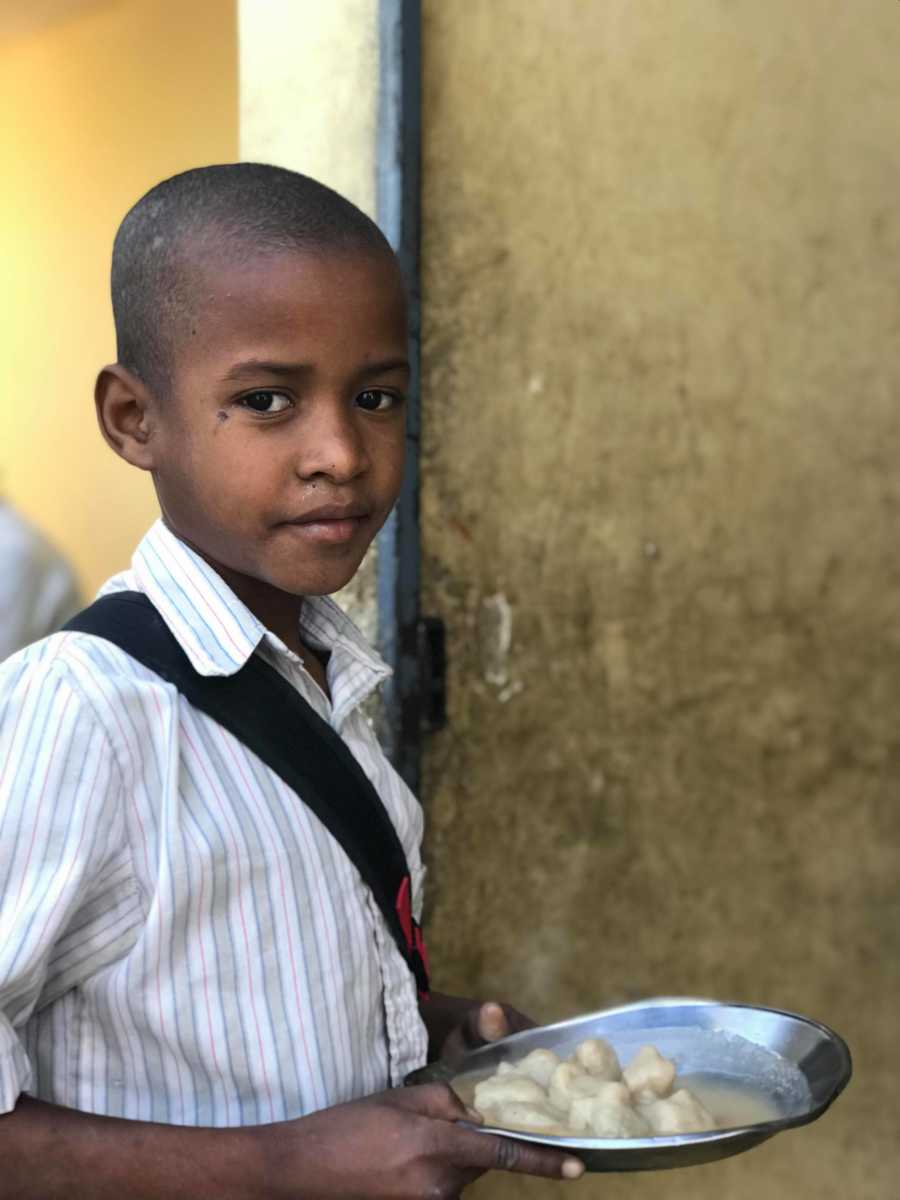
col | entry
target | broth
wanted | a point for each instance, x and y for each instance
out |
(732, 1103)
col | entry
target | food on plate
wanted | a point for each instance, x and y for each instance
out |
(608, 1116)
(534, 1118)
(598, 1058)
(590, 1095)
(682, 1112)
(649, 1075)
(539, 1065)
(509, 1088)
(570, 1082)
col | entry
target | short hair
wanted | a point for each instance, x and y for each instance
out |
(228, 211)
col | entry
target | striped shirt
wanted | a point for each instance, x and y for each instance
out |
(181, 940)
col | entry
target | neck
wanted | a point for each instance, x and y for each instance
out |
(278, 611)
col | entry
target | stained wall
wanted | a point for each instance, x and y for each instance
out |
(660, 502)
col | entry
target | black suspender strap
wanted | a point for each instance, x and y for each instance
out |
(273, 720)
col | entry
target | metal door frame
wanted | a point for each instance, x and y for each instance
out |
(398, 185)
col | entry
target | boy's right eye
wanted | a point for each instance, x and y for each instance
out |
(268, 403)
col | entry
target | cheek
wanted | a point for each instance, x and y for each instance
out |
(389, 459)
(214, 478)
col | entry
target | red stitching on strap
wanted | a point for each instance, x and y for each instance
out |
(404, 912)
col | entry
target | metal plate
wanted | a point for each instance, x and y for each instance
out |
(799, 1065)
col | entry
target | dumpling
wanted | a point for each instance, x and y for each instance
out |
(608, 1092)
(608, 1115)
(537, 1118)
(569, 1082)
(682, 1112)
(506, 1089)
(598, 1058)
(649, 1075)
(539, 1065)
(562, 1093)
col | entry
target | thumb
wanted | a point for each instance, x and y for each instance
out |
(491, 1023)
(437, 1100)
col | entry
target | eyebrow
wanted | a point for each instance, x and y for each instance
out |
(258, 366)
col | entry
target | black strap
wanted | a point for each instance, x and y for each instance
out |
(270, 717)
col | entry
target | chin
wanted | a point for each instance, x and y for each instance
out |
(318, 583)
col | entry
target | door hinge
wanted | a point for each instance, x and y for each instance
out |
(432, 674)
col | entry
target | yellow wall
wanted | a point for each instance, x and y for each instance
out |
(96, 109)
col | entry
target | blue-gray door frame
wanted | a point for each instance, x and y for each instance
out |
(400, 630)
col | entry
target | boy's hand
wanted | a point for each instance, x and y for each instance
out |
(488, 1021)
(456, 1026)
(402, 1144)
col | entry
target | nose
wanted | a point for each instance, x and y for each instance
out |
(331, 444)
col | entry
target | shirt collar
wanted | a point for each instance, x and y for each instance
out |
(217, 631)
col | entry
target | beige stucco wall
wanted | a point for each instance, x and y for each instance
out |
(308, 87)
(660, 498)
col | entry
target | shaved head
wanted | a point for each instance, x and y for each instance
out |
(210, 215)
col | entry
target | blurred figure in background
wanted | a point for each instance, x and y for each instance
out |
(38, 592)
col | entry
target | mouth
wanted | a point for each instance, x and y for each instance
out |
(330, 523)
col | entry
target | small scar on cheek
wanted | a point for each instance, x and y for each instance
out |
(222, 416)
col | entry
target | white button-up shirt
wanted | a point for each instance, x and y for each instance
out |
(181, 939)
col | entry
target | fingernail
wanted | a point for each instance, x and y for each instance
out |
(572, 1168)
(474, 1115)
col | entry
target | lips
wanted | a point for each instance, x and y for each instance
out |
(332, 523)
(328, 512)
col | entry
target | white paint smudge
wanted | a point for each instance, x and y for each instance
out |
(495, 621)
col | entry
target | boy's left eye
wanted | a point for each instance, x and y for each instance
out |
(266, 402)
(375, 400)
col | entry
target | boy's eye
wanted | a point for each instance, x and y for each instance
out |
(374, 400)
(266, 402)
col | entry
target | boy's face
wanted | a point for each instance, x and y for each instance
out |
(279, 452)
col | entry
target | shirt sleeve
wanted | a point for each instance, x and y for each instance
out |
(60, 820)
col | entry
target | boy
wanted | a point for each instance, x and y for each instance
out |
(197, 991)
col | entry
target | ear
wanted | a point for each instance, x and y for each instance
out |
(126, 413)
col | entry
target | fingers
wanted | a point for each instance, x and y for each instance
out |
(491, 1023)
(494, 1021)
(486, 1152)
(472, 1153)
(482, 1023)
